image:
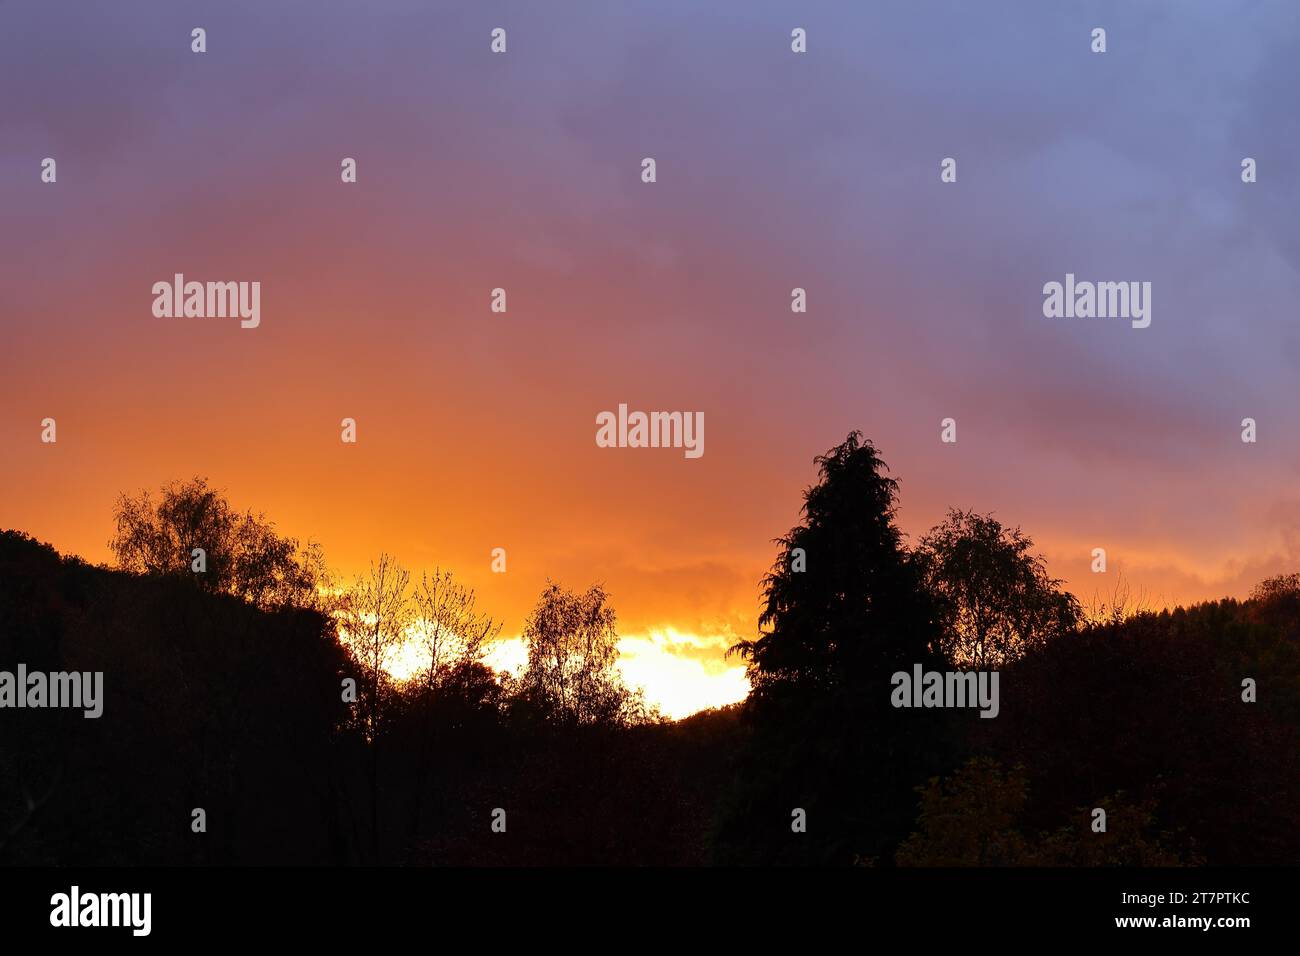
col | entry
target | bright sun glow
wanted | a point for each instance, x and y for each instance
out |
(680, 673)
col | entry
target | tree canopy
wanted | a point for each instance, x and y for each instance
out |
(994, 598)
(572, 652)
(242, 554)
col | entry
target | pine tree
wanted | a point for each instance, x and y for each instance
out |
(844, 610)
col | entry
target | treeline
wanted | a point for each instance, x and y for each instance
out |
(242, 679)
(1145, 716)
(213, 703)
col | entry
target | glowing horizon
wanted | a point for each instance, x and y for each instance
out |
(478, 429)
(676, 684)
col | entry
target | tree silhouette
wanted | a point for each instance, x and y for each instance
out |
(452, 632)
(976, 818)
(376, 614)
(572, 651)
(224, 698)
(447, 624)
(995, 599)
(844, 610)
(856, 608)
(243, 554)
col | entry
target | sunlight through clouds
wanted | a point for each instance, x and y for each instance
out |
(679, 684)
(658, 663)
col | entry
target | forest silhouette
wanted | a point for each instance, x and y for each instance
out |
(227, 689)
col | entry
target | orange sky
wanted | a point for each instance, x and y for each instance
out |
(476, 430)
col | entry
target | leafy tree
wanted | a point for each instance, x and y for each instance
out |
(376, 614)
(243, 554)
(572, 651)
(976, 818)
(994, 597)
(1280, 586)
(452, 632)
(447, 624)
(970, 819)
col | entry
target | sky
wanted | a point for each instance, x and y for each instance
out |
(775, 170)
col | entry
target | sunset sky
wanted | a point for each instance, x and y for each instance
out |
(775, 170)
